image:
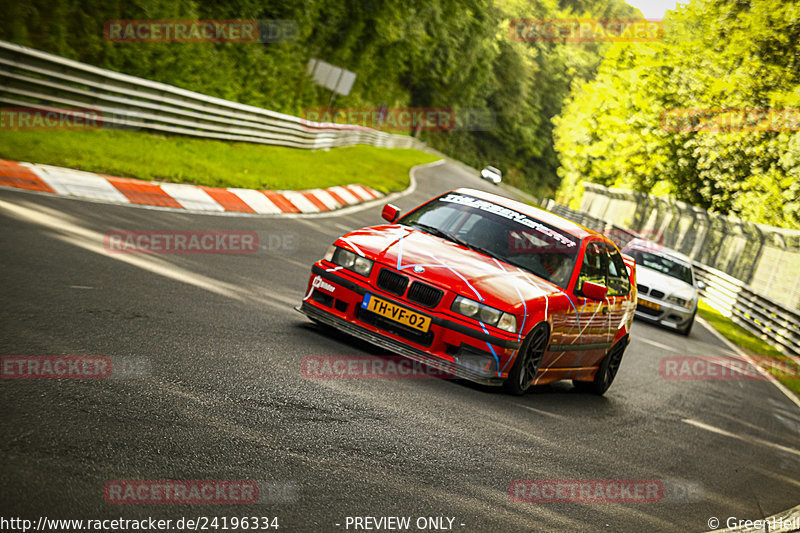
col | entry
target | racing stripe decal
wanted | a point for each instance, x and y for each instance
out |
(491, 349)
(355, 248)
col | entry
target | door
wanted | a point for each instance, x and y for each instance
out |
(584, 330)
(594, 334)
(619, 286)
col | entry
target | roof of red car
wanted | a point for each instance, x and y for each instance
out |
(552, 219)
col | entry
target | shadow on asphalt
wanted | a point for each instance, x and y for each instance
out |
(562, 393)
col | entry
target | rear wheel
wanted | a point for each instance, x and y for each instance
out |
(607, 371)
(528, 360)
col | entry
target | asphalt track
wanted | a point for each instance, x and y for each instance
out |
(219, 396)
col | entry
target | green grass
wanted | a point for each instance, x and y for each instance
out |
(752, 345)
(136, 154)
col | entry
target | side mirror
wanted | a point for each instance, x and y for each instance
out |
(390, 212)
(701, 285)
(594, 291)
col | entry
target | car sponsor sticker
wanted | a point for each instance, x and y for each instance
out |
(510, 214)
(320, 283)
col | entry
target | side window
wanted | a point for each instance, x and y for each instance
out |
(619, 284)
(594, 266)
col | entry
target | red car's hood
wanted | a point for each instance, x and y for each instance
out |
(449, 265)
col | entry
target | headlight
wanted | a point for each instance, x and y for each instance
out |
(508, 322)
(484, 313)
(344, 258)
(363, 266)
(489, 315)
(466, 307)
(677, 300)
(351, 261)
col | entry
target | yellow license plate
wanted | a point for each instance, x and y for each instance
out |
(396, 313)
(651, 305)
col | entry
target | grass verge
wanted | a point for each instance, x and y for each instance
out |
(136, 154)
(786, 370)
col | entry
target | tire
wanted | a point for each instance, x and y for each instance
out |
(688, 327)
(528, 360)
(607, 371)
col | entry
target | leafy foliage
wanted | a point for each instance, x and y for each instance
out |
(409, 53)
(716, 55)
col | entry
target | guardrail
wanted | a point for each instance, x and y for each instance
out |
(621, 236)
(766, 257)
(770, 321)
(38, 80)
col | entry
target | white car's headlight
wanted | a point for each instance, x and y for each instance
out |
(484, 313)
(683, 302)
(350, 261)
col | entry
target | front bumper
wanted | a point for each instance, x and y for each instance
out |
(451, 347)
(669, 315)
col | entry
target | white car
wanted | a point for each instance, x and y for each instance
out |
(492, 174)
(666, 284)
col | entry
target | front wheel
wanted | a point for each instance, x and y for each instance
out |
(687, 329)
(528, 360)
(607, 371)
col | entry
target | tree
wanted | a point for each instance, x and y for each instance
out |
(650, 120)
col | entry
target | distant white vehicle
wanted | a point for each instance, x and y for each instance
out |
(666, 284)
(492, 174)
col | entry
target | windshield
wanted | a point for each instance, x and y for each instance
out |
(500, 232)
(663, 264)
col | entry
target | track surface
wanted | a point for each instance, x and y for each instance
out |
(223, 397)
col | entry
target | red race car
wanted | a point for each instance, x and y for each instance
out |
(483, 288)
